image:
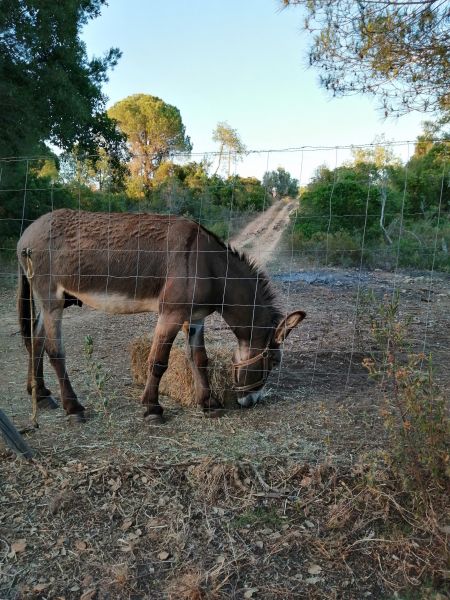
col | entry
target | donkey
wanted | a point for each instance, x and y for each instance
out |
(130, 263)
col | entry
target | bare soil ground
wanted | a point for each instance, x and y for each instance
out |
(252, 505)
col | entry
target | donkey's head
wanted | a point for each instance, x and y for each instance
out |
(251, 366)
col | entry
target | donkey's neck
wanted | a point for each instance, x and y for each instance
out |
(249, 307)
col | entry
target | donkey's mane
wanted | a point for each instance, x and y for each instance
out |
(265, 286)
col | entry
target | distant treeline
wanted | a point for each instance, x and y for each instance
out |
(379, 212)
(31, 188)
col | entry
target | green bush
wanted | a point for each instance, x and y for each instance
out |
(338, 248)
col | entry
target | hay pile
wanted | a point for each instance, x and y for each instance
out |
(177, 382)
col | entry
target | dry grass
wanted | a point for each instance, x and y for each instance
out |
(119, 529)
(177, 382)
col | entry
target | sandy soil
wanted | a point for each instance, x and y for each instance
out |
(261, 236)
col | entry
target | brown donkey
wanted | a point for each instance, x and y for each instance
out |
(131, 263)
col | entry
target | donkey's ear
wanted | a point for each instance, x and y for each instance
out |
(287, 325)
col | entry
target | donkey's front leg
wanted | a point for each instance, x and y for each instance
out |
(158, 359)
(196, 353)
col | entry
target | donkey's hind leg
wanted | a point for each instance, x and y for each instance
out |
(52, 315)
(196, 354)
(43, 394)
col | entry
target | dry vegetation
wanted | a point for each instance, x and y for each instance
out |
(177, 382)
(111, 528)
(296, 498)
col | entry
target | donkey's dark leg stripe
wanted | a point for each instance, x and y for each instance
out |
(199, 362)
(158, 370)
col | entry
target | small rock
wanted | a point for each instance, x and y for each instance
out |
(163, 555)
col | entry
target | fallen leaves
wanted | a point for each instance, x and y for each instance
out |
(80, 545)
(126, 524)
(17, 547)
(314, 569)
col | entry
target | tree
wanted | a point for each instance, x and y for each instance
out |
(397, 51)
(280, 183)
(99, 172)
(154, 130)
(49, 90)
(383, 161)
(229, 143)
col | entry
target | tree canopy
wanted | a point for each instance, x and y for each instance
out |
(397, 51)
(230, 144)
(378, 210)
(154, 131)
(280, 183)
(49, 89)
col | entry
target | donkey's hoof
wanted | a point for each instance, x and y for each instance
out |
(48, 403)
(153, 419)
(213, 413)
(76, 418)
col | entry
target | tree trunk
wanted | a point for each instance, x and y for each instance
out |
(383, 207)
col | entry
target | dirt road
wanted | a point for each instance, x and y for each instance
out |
(262, 235)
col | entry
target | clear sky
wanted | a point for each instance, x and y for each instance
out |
(241, 61)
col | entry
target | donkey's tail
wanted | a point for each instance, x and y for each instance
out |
(24, 306)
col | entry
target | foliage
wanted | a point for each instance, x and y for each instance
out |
(99, 171)
(188, 189)
(71, 182)
(50, 90)
(280, 183)
(396, 215)
(30, 189)
(396, 51)
(415, 411)
(345, 199)
(339, 248)
(230, 144)
(99, 378)
(154, 131)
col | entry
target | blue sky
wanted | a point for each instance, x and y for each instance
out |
(241, 61)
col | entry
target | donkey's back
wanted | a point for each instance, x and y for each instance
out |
(117, 262)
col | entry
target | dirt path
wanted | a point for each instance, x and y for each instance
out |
(262, 235)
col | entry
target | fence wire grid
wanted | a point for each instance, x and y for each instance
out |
(315, 260)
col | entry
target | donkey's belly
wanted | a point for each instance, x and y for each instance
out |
(115, 303)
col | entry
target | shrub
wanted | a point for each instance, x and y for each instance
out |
(338, 248)
(415, 411)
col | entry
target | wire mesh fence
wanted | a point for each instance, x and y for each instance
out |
(357, 220)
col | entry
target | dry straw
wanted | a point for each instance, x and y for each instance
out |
(177, 382)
